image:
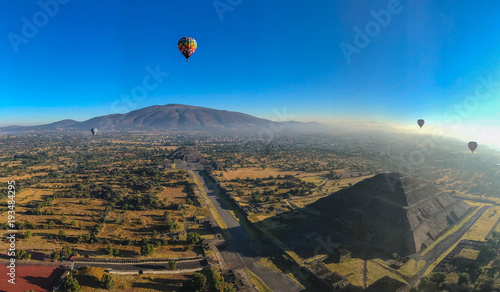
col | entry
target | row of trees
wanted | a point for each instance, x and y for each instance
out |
(213, 281)
(65, 253)
(475, 270)
(98, 279)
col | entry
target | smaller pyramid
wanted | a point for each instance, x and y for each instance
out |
(188, 154)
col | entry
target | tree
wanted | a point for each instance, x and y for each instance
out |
(426, 285)
(62, 234)
(438, 278)
(27, 234)
(147, 249)
(488, 285)
(22, 254)
(193, 237)
(474, 271)
(215, 279)
(171, 225)
(55, 255)
(496, 263)
(227, 287)
(496, 234)
(71, 284)
(463, 279)
(198, 282)
(66, 252)
(173, 265)
(109, 250)
(107, 281)
(487, 253)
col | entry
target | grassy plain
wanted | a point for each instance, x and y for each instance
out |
(259, 284)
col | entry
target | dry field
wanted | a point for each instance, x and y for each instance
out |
(24, 197)
(470, 254)
(411, 267)
(253, 172)
(483, 225)
(324, 186)
(82, 215)
(140, 283)
(19, 177)
(352, 269)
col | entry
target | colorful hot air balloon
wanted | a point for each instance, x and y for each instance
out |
(187, 46)
(94, 131)
(472, 146)
(420, 123)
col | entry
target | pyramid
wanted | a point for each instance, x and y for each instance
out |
(403, 213)
(188, 154)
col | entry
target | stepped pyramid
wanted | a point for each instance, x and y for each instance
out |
(403, 213)
(187, 153)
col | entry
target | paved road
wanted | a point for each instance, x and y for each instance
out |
(144, 266)
(240, 251)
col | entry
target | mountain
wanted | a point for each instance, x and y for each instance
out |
(161, 117)
(403, 213)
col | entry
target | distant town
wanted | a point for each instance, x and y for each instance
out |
(189, 210)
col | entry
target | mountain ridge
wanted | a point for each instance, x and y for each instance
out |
(161, 117)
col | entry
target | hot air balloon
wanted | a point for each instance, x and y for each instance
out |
(187, 46)
(94, 131)
(420, 123)
(472, 146)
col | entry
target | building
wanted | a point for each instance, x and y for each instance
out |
(388, 284)
(340, 255)
(331, 281)
(217, 165)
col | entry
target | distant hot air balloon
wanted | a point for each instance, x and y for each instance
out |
(472, 146)
(94, 131)
(420, 123)
(187, 46)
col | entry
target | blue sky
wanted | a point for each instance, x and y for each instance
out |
(258, 57)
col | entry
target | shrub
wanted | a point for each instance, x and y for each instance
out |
(27, 234)
(147, 249)
(107, 281)
(71, 284)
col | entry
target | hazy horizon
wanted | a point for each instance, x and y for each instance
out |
(485, 137)
(387, 61)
